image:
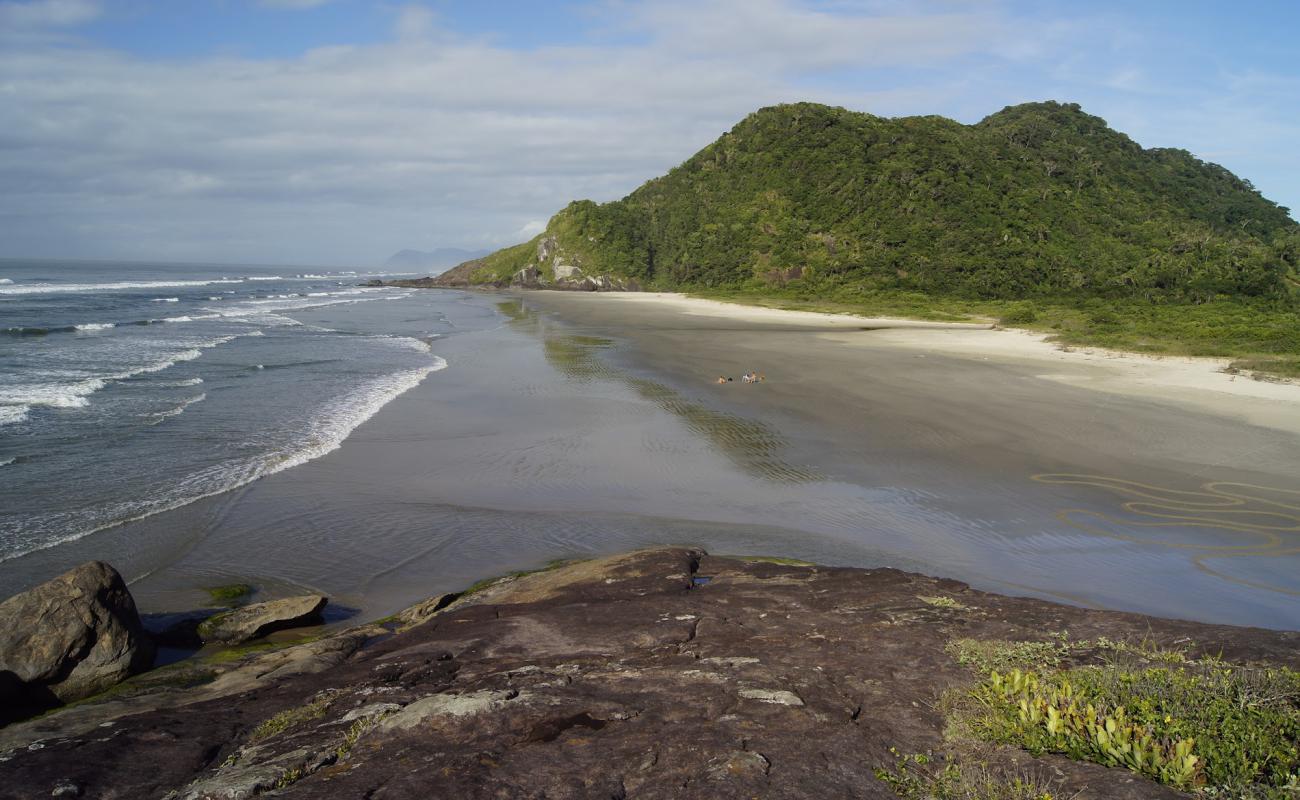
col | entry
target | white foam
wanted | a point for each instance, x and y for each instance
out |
(5, 282)
(51, 394)
(188, 318)
(4, 462)
(409, 343)
(166, 300)
(74, 393)
(265, 278)
(47, 288)
(186, 382)
(178, 410)
(327, 434)
(96, 326)
(342, 416)
(12, 415)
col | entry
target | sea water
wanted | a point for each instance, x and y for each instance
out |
(127, 389)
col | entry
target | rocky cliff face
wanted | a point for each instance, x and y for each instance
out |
(665, 673)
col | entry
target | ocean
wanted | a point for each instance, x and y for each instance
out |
(298, 431)
(127, 389)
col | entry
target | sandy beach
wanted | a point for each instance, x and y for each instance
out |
(1196, 384)
(1122, 465)
(571, 425)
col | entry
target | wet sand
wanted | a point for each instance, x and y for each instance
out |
(570, 425)
(1135, 483)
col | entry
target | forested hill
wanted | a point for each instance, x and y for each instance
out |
(1037, 200)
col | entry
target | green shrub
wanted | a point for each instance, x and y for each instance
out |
(1020, 315)
(1228, 730)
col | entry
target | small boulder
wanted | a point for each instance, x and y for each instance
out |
(259, 619)
(69, 638)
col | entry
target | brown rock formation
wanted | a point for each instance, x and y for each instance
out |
(665, 673)
(69, 638)
(257, 620)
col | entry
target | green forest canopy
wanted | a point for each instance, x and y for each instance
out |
(1039, 200)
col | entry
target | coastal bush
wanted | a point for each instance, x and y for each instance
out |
(1222, 729)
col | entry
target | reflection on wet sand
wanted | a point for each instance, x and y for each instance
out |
(1222, 520)
(751, 446)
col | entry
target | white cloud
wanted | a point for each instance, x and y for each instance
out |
(348, 153)
(414, 22)
(47, 13)
(531, 229)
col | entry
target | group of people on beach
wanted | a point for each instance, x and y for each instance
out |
(748, 377)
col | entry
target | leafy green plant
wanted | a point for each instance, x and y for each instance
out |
(1218, 727)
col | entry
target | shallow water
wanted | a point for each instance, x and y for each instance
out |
(128, 389)
(541, 441)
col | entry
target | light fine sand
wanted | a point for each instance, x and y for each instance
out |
(1198, 384)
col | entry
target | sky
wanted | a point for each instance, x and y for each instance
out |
(336, 132)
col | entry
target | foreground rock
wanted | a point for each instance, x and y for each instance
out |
(69, 638)
(666, 673)
(259, 619)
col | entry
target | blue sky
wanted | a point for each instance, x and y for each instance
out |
(338, 131)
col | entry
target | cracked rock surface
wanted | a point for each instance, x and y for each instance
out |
(622, 677)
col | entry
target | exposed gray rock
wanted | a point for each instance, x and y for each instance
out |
(545, 248)
(69, 638)
(259, 619)
(567, 272)
(528, 277)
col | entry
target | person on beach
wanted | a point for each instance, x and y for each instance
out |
(723, 379)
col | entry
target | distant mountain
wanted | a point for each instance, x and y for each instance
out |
(1037, 200)
(441, 258)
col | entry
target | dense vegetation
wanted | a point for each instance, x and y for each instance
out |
(1198, 724)
(1037, 200)
(1040, 204)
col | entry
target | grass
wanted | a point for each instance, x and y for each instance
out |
(916, 777)
(1261, 338)
(941, 602)
(989, 655)
(1204, 725)
(229, 594)
(292, 717)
